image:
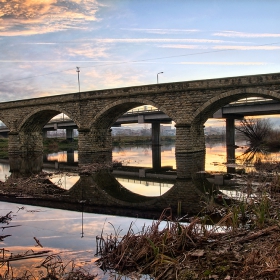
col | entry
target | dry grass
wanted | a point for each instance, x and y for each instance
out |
(172, 250)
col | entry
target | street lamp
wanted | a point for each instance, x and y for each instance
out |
(157, 76)
(78, 71)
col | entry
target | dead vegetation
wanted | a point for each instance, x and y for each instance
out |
(193, 251)
(243, 244)
(36, 185)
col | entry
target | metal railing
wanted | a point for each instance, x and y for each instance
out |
(140, 110)
(250, 101)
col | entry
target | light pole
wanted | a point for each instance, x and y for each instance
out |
(78, 71)
(157, 76)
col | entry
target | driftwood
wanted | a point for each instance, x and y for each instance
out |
(10, 227)
(257, 234)
(24, 256)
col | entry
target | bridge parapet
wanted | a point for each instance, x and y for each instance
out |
(189, 104)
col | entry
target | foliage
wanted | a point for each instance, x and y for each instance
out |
(256, 131)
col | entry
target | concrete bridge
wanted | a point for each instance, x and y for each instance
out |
(189, 104)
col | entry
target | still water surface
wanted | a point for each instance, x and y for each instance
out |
(70, 234)
(141, 157)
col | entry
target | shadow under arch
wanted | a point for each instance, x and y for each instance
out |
(212, 105)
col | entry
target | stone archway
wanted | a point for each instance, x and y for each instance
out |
(212, 105)
(215, 103)
(97, 136)
(26, 137)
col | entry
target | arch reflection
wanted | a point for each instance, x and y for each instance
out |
(96, 187)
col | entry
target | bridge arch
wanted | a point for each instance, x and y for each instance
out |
(96, 137)
(5, 120)
(110, 113)
(41, 116)
(212, 105)
(26, 135)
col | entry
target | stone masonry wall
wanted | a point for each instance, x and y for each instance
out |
(189, 104)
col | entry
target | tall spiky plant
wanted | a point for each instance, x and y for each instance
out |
(255, 131)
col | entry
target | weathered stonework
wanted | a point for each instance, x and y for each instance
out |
(189, 104)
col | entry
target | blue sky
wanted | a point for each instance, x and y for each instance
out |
(127, 42)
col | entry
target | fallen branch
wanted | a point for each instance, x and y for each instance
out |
(257, 234)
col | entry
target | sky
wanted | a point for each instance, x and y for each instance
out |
(122, 43)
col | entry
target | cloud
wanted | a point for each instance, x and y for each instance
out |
(28, 17)
(224, 63)
(180, 46)
(155, 40)
(246, 35)
(246, 48)
(161, 30)
(87, 51)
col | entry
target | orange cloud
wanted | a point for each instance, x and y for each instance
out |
(28, 17)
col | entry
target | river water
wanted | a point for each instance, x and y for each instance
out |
(72, 234)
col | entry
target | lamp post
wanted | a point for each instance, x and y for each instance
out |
(78, 71)
(157, 76)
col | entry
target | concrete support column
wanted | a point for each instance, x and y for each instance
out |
(156, 148)
(70, 156)
(70, 134)
(156, 157)
(155, 133)
(230, 143)
(45, 134)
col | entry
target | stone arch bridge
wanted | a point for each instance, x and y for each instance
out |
(188, 103)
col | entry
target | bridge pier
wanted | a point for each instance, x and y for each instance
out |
(70, 156)
(70, 134)
(25, 142)
(25, 165)
(156, 147)
(45, 134)
(155, 133)
(94, 140)
(190, 149)
(156, 157)
(230, 144)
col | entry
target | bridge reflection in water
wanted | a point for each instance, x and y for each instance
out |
(100, 191)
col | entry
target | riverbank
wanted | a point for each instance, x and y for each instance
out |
(242, 244)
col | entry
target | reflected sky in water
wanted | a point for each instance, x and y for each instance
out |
(142, 156)
(4, 171)
(64, 180)
(145, 187)
(60, 231)
(61, 156)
